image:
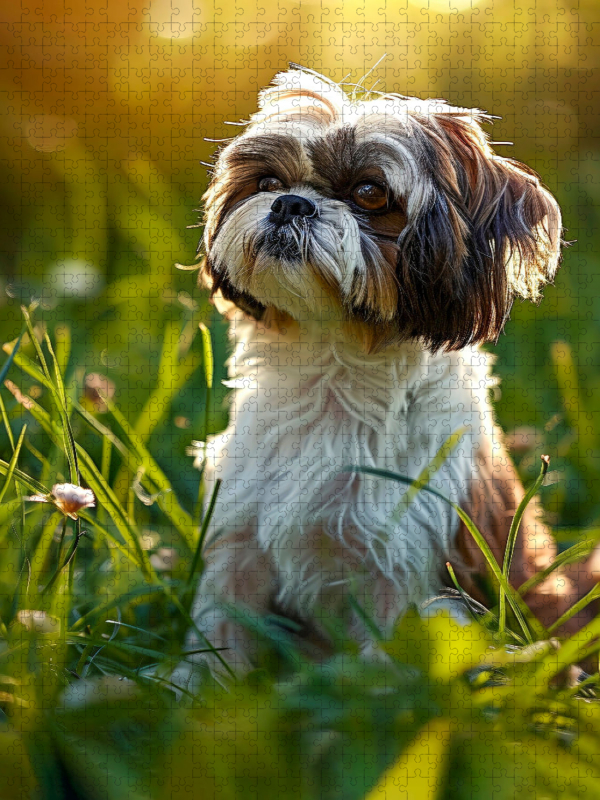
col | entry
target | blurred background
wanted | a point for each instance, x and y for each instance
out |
(106, 111)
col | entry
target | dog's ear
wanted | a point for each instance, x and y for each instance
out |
(485, 232)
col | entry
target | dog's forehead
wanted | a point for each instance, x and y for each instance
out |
(333, 122)
(308, 117)
(328, 155)
(341, 135)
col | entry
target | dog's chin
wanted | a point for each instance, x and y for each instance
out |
(287, 285)
(273, 271)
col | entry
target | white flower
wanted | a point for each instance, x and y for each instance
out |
(165, 559)
(68, 498)
(38, 621)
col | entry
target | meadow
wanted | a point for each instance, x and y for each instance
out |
(112, 363)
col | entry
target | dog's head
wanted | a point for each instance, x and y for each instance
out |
(385, 210)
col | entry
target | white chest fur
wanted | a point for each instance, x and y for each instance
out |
(305, 406)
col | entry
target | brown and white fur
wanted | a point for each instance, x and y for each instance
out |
(356, 337)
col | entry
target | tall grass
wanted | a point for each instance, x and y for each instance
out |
(94, 610)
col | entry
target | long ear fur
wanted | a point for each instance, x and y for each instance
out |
(487, 232)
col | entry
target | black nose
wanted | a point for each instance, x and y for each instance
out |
(287, 206)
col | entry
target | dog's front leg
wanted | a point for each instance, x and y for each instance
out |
(238, 573)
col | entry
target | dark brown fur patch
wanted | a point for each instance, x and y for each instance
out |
(457, 285)
(340, 161)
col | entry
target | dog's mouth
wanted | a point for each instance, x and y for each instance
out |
(287, 244)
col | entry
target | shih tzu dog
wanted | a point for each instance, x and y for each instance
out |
(363, 246)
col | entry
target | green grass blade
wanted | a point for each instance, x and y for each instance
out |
(105, 458)
(124, 647)
(569, 535)
(107, 435)
(105, 496)
(70, 448)
(7, 510)
(592, 595)
(464, 596)
(28, 366)
(90, 617)
(110, 537)
(14, 349)
(187, 617)
(428, 472)
(67, 562)
(209, 374)
(29, 483)
(578, 416)
(6, 423)
(512, 537)
(172, 375)
(39, 352)
(47, 467)
(209, 371)
(275, 634)
(13, 464)
(207, 351)
(570, 556)
(103, 492)
(578, 647)
(39, 413)
(519, 607)
(57, 393)
(135, 628)
(167, 500)
(39, 557)
(105, 469)
(198, 561)
(62, 336)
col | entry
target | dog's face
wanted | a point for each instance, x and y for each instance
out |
(392, 212)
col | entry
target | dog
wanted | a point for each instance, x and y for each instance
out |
(363, 246)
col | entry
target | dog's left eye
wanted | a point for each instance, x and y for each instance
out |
(370, 196)
(270, 184)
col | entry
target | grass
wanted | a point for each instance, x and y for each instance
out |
(94, 610)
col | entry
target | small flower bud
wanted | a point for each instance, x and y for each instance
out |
(67, 497)
(70, 499)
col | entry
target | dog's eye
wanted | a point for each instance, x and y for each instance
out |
(370, 196)
(270, 184)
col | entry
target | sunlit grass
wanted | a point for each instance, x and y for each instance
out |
(94, 613)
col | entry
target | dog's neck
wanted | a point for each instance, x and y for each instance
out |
(301, 367)
(365, 342)
(282, 342)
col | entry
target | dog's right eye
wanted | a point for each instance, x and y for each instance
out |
(370, 196)
(270, 184)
